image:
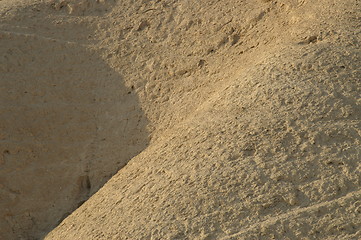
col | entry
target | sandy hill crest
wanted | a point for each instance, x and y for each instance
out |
(226, 119)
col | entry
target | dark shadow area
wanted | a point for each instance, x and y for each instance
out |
(67, 124)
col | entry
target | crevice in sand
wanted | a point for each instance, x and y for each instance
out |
(69, 125)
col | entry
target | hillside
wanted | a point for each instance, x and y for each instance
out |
(220, 119)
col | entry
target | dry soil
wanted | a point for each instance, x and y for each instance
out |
(233, 119)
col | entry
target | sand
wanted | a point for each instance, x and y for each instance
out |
(204, 119)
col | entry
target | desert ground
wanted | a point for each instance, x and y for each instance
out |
(180, 119)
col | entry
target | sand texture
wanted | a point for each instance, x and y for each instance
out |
(180, 119)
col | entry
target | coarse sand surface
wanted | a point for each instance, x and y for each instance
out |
(180, 119)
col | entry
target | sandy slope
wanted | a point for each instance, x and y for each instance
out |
(250, 111)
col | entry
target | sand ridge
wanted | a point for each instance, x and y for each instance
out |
(245, 115)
